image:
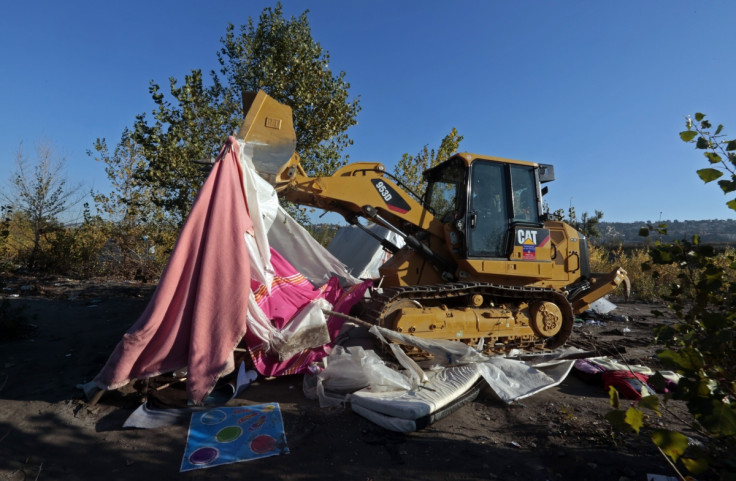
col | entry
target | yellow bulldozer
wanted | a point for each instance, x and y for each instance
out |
(481, 262)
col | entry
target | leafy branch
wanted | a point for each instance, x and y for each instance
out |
(720, 152)
(701, 346)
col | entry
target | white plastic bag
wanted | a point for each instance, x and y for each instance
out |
(348, 370)
(308, 329)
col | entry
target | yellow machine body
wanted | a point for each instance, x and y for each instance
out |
(481, 261)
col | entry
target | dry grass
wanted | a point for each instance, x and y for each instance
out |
(643, 286)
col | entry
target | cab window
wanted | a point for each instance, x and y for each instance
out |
(524, 188)
(488, 211)
(445, 189)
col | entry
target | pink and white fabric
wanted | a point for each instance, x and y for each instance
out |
(204, 305)
(290, 292)
(197, 314)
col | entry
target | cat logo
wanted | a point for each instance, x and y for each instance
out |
(530, 240)
(526, 237)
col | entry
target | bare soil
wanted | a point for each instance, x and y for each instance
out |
(49, 431)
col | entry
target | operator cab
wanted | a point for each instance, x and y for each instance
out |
(487, 199)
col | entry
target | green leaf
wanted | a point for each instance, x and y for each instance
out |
(713, 158)
(699, 116)
(635, 419)
(687, 359)
(660, 256)
(643, 231)
(708, 175)
(702, 143)
(618, 420)
(696, 466)
(731, 145)
(650, 402)
(613, 395)
(672, 443)
(688, 135)
(727, 186)
(718, 130)
(731, 204)
(722, 419)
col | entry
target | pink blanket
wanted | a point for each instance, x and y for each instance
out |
(198, 313)
(290, 291)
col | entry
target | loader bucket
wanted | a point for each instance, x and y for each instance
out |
(268, 129)
(601, 284)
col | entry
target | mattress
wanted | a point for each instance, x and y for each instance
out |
(407, 411)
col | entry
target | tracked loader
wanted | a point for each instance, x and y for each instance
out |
(481, 263)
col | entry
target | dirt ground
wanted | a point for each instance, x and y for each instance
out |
(48, 431)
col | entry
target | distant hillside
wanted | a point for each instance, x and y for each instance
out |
(710, 231)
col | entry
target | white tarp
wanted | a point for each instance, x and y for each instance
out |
(359, 376)
(602, 306)
(274, 228)
(360, 252)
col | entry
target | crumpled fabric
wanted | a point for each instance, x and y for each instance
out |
(197, 314)
(291, 292)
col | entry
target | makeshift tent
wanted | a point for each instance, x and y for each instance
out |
(204, 304)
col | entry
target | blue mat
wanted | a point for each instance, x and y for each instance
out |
(227, 435)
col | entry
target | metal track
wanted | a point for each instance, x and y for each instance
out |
(447, 293)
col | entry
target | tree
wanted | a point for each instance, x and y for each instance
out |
(192, 128)
(133, 222)
(39, 191)
(588, 225)
(281, 57)
(278, 56)
(701, 346)
(131, 199)
(411, 167)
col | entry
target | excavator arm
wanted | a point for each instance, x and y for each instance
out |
(269, 131)
(361, 189)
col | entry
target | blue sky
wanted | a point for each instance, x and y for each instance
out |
(599, 89)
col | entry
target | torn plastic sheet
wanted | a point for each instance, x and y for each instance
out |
(360, 252)
(303, 252)
(508, 379)
(308, 329)
(511, 380)
(445, 352)
(274, 227)
(602, 306)
(347, 370)
(262, 207)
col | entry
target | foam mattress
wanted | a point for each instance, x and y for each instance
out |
(408, 411)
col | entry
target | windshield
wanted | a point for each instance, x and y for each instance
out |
(524, 187)
(488, 210)
(445, 191)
